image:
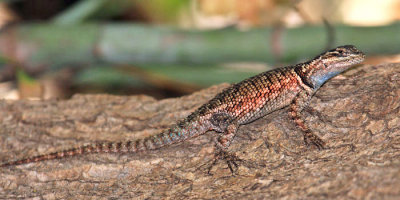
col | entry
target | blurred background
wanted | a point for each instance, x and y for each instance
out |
(52, 49)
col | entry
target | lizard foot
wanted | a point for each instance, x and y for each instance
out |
(230, 159)
(311, 139)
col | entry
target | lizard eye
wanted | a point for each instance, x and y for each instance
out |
(340, 53)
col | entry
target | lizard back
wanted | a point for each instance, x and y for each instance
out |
(256, 96)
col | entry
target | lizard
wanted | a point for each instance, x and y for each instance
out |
(241, 103)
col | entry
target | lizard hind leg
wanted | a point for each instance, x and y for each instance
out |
(298, 104)
(222, 143)
(227, 125)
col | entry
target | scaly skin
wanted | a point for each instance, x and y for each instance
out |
(239, 104)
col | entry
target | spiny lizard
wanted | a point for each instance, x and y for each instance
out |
(238, 104)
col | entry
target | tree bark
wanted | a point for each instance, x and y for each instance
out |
(357, 114)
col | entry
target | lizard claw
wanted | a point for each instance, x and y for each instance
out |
(230, 159)
(311, 139)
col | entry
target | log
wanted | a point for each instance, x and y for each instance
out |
(41, 46)
(357, 114)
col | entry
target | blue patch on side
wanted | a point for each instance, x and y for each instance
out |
(173, 136)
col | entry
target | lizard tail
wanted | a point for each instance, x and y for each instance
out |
(179, 132)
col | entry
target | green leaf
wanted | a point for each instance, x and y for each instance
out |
(24, 78)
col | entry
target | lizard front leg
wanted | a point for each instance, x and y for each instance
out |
(298, 104)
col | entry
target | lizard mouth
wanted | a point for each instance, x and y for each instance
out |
(358, 58)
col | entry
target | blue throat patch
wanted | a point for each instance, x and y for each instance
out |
(320, 79)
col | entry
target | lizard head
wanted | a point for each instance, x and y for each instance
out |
(331, 63)
(341, 58)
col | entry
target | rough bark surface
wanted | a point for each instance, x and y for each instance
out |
(357, 114)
